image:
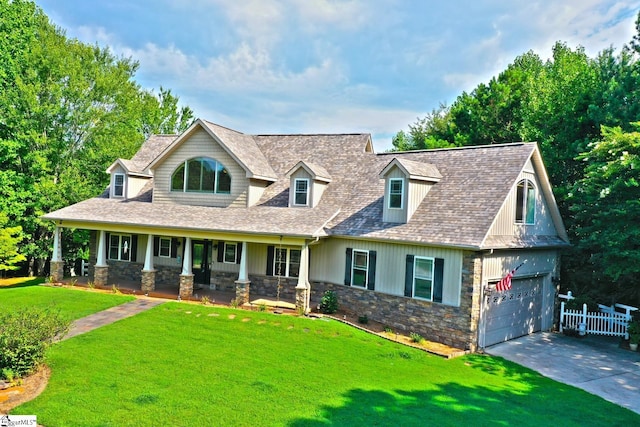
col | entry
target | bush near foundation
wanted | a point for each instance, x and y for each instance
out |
(329, 302)
(25, 335)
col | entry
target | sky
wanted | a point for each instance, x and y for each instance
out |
(333, 66)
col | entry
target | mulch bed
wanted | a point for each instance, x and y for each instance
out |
(29, 388)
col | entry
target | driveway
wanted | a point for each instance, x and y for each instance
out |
(595, 364)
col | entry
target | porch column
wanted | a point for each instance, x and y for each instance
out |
(243, 283)
(148, 273)
(186, 278)
(101, 269)
(56, 265)
(303, 289)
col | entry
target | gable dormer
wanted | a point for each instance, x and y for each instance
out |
(307, 182)
(126, 179)
(406, 183)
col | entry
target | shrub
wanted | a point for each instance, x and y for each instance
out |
(364, 319)
(329, 302)
(417, 338)
(24, 337)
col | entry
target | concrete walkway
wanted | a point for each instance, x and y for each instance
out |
(111, 315)
(595, 364)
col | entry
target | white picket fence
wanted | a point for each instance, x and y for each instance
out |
(609, 320)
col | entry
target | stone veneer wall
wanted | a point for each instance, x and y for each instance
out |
(454, 326)
(268, 286)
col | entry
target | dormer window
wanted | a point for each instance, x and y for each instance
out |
(396, 192)
(301, 196)
(118, 185)
(202, 175)
(525, 202)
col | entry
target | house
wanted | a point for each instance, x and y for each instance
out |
(415, 240)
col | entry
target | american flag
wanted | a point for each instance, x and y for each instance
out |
(505, 283)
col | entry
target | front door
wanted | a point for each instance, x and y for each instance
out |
(201, 251)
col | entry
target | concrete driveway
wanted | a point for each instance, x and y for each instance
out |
(595, 364)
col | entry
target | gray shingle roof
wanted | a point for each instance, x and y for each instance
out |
(419, 170)
(458, 210)
(149, 150)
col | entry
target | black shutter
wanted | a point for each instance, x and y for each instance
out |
(156, 246)
(220, 251)
(270, 255)
(371, 285)
(134, 248)
(408, 277)
(174, 247)
(107, 238)
(438, 276)
(238, 252)
(347, 269)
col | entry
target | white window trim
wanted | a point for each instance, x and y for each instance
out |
(528, 184)
(295, 191)
(353, 267)
(391, 180)
(185, 176)
(115, 177)
(120, 236)
(433, 267)
(287, 261)
(235, 253)
(160, 247)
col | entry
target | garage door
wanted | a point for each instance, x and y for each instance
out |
(513, 313)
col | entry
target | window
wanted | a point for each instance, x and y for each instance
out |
(230, 253)
(286, 262)
(165, 247)
(118, 185)
(202, 175)
(423, 278)
(120, 247)
(525, 202)
(360, 268)
(301, 194)
(395, 193)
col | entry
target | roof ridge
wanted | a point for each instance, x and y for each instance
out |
(312, 134)
(465, 147)
(224, 127)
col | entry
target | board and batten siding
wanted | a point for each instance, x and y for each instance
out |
(200, 144)
(417, 192)
(538, 263)
(395, 215)
(505, 222)
(328, 265)
(134, 185)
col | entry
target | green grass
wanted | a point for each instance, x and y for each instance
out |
(183, 364)
(72, 303)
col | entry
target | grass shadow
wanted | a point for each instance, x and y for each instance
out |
(21, 282)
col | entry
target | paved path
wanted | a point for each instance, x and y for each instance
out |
(595, 364)
(111, 315)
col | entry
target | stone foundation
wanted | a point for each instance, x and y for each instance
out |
(301, 298)
(268, 285)
(100, 275)
(57, 271)
(242, 291)
(148, 281)
(186, 286)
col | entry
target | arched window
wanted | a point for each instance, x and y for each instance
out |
(203, 175)
(525, 202)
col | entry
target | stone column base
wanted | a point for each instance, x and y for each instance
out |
(148, 281)
(101, 275)
(57, 271)
(242, 291)
(186, 286)
(301, 299)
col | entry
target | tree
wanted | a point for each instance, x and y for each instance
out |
(9, 239)
(67, 111)
(431, 131)
(606, 203)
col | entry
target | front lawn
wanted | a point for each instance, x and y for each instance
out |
(185, 364)
(72, 303)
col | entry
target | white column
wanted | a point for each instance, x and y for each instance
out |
(148, 258)
(186, 257)
(303, 275)
(101, 256)
(57, 253)
(242, 275)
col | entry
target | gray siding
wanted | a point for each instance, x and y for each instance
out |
(328, 265)
(395, 215)
(417, 192)
(200, 144)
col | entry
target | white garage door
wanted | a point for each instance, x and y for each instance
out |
(513, 313)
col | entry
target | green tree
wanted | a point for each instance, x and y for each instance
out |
(606, 203)
(9, 239)
(67, 111)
